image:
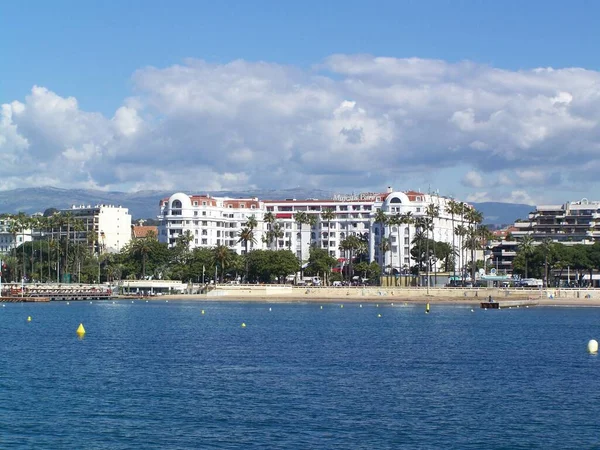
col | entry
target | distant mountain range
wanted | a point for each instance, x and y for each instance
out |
(144, 204)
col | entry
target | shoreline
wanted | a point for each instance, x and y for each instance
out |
(369, 299)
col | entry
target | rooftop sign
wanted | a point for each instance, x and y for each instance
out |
(365, 196)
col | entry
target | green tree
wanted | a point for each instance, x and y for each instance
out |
(382, 220)
(525, 249)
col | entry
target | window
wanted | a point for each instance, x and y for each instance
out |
(196, 204)
(196, 241)
(204, 223)
(203, 213)
(406, 241)
(204, 241)
(195, 213)
(203, 203)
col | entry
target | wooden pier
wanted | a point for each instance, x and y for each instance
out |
(54, 292)
(23, 299)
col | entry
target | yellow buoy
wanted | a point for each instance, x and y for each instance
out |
(80, 330)
(593, 346)
(28, 318)
(427, 309)
(243, 325)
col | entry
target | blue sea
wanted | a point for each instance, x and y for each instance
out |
(162, 375)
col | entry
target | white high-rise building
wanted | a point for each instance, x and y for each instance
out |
(112, 225)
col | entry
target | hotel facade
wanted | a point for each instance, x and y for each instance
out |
(211, 221)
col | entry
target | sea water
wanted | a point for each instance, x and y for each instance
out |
(161, 375)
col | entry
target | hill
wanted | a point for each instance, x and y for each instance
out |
(144, 204)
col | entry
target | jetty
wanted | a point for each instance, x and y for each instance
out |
(54, 292)
(493, 304)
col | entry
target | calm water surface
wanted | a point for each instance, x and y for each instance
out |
(162, 375)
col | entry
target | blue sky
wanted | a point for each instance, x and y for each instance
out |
(99, 54)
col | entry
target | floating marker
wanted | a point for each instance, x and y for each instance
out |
(243, 325)
(378, 315)
(146, 301)
(166, 301)
(377, 305)
(592, 346)
(360, 306)
(269, 309)
(392, 304)
(202, 312)
(321, 306)
(472, 311)
(131, 301)
(427, 309)
(68, 303)
(341, 306)
(80, 330)
(28, 318)
(90, 303)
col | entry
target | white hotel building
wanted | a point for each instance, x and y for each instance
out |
(218, 221)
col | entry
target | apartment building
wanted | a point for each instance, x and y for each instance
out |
(111, 225)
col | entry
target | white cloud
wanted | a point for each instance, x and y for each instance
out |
(473, 179)
(353, 121)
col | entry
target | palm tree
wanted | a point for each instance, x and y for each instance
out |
(251, 222)
(328, 215)
(526, 248)
(474, 218)
(222, 256)
(246, 235)
(452, 208)
(382, 219)
(278, 233)
(396, 221)
(349, 245)
(269, 219)
(433, 212)
(142, 247)
(384, 245)
(407, 219)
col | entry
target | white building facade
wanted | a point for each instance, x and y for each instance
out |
(209, 221)
(112, 225)
(9, 239)
(217, 221)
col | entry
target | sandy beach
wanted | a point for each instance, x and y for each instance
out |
(558, 298)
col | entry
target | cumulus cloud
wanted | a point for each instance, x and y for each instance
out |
(473, 179)
(352, 121)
